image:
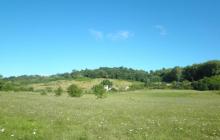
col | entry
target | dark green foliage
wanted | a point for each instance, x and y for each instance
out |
(107, 83)
(208, 83)
(43, 92)
(58, 91)
(171, 75)
(99, 91)
(1, 85)
(30, 79)
(74, 91)
(200, 71)
(114, 73)
(181, 85)
(49, 89)
(8, 86)
(152, 79)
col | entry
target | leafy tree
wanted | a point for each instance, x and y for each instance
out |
(208, 83)
(200, 71)
(74, 91)
(173, 75)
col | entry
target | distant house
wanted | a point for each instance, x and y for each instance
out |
(127, 87)
(107, 88)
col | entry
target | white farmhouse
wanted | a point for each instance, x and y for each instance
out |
(107, 88)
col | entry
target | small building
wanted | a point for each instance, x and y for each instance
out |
(107, 88)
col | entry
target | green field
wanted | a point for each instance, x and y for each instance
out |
(134, 115)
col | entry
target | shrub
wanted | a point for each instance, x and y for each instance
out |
(43, 92)
(30, 89)
(58, 91)
(107, 83)
(8, 87)
(208, 83)
(99, 91)
(74, 91)
(1, 85)
(48, 89)
(181, 85)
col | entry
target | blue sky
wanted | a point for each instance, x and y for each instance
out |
(55, 36)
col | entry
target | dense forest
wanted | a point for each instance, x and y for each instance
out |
(203, 76)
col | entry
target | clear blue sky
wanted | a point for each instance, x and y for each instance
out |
(55, 36)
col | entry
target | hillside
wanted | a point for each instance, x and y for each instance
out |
(203, 76)
(84, 83)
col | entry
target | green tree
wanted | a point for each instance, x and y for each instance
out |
(208, 83)
(74, 91)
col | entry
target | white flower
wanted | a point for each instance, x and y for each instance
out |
(34, 133)
(12, 135)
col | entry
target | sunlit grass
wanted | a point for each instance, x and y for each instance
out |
(134, 115)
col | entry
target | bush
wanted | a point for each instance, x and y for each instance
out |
(43, 92)
(58, 91)
(1, 85)
(181, 85)
(208, 83)
(99, 91)
(74, 91)
(8, 87)
(49, 89)
(107, 83)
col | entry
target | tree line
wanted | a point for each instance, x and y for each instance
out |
(203, 76)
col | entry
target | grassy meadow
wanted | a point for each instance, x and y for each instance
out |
(131, 115)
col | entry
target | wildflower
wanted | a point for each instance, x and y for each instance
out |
(12, 135)
(34, 133)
